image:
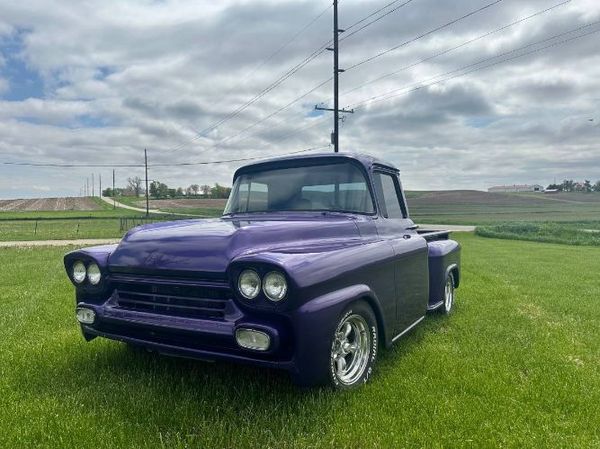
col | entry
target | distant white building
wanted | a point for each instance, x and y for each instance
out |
(517, 188)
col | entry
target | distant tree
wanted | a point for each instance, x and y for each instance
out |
(172, 193)
(135, 185)
(154, 189)
(555, 187)
(159, 190)
(205, 189)
(179, 191)
(219, 191)
(568, 185)
(596, 186)
(587, 186)
(163, 190)
(193, 189)
(107, 192)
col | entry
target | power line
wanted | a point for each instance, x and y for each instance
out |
(182, 164)
(186, 164)
(257, 97)
(455, 73)
(428, 33)
(291, 72)
(278, 111)
(280, 49)
(292, 39)
(377, 19)
(285, 137)
(470, 41)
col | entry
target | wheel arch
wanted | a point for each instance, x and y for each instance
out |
(374, 304)
(455, 271)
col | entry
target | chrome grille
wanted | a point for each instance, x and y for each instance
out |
(175, 299)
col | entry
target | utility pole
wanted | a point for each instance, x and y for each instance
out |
(93, 190)
(87, 187)
(100, 185)
(113, 190)
(147, 191)
(335, 136)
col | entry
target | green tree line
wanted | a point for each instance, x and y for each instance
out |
(160, 190)
(568, 185)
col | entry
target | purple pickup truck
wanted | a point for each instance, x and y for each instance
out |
(314, 265)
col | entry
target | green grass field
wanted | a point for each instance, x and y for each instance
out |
(445, 207)
(471, 207)
(516, 366)
(204, 210)
(104, 210)
(64, 225)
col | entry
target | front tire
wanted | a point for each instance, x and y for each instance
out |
(353, 347)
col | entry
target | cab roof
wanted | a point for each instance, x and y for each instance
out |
(363, 159)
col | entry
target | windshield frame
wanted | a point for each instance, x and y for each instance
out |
(302, 163)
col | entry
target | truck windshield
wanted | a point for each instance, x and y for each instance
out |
(338, 187)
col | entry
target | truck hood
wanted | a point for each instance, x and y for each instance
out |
(210, 245)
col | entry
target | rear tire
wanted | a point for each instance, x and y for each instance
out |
(448, 304)
(354, 345)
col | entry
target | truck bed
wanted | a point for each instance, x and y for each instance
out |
(432, 236)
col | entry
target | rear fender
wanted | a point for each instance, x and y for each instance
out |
(444, 258)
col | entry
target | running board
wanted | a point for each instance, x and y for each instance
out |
(407, 329)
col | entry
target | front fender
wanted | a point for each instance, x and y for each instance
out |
(99, 255)
(314, 323)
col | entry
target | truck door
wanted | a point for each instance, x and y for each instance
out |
(411, 265)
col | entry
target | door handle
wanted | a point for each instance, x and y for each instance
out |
(406, 236)
(413, 227)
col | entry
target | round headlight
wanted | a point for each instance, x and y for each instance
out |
(79, 272)
(275, 286)
(94, 274)
(249, 284)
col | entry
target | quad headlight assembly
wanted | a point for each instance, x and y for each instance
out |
(273, 285)
(80, 273)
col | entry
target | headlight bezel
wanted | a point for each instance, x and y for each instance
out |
(282, 277)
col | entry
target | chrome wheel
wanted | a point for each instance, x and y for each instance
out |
(449, 294)
(350, 351)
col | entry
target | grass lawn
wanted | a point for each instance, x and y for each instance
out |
(25, 230)
(570, 233)
(516, 366)
(11, 230)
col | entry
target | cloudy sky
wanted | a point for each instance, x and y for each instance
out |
(509, 94)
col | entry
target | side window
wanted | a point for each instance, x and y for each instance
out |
(388, 191)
